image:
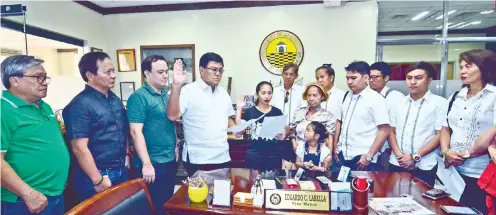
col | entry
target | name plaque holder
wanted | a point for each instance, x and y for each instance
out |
(306, 200)
(297, 200)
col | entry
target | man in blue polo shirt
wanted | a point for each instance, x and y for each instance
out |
(153, 134)
(97, 127)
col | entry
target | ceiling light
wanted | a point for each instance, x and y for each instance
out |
(449, 13)
(471, 23)
(420, 15)
(487, 12)
(449, 23)
(456, 25)
(463, 26)
(437, 35)
(455, 50)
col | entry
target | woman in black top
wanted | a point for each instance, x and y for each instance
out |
(262, 154)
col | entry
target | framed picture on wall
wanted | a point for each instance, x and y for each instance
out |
(126, 60)
(127, 88)
(93, 49)
(185, 52)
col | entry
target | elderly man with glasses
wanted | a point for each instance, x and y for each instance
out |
(35, 159)
(98, 128)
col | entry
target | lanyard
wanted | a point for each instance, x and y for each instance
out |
(284, 103)
(414, 125)
(349, 121)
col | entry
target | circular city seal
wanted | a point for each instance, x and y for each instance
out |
(275, 199)
(280, 48)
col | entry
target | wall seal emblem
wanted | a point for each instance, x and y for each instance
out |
(280, 48)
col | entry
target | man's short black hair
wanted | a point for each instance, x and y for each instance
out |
(88, 63)
(422, 65)
(210, 56)
(361, 67)
(146, 65)
(382, 67)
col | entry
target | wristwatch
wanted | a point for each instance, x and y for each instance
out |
(369, 158)
(417, 158)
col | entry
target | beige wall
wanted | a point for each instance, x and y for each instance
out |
(329, 35)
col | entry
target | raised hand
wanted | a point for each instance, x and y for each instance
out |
(240, 103)
(179, 76)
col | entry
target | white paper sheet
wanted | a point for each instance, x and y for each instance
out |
(451, 179)
(272, 126)
(268, 184)
(222, 193)
(243, 125)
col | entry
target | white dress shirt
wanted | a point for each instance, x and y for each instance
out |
(468, 119)
(416, 123)
(391, 101)
(205, 121)
(361, 115)
(333, 104)
(295, 100)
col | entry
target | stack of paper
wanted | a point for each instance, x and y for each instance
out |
(243, 199)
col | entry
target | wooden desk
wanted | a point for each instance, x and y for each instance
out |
(385, 185)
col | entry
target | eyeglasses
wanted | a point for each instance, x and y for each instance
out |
(286, 98)
(375, 77)
(40, 78)
(215, 70)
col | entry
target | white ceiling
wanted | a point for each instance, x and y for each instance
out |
(397, 15)
(393, 15)
(14, 40)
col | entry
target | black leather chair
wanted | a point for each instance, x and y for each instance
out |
(128, 198)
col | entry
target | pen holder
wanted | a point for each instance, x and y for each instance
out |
(198, 194)
(360, 187)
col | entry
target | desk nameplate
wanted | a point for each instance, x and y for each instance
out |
(297, 199)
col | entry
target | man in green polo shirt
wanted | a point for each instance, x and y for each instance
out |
(153, 134)
(35, 159)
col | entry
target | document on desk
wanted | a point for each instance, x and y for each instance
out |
(272, 126)
(400, 206)
(451, 179)
(243, 125)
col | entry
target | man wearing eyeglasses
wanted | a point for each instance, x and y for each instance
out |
(380, 73)
(98, 128)
(288, 97)
(35, 159)
(205, 109)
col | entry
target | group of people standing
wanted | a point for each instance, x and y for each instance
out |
(370, 127)
(374, 128)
